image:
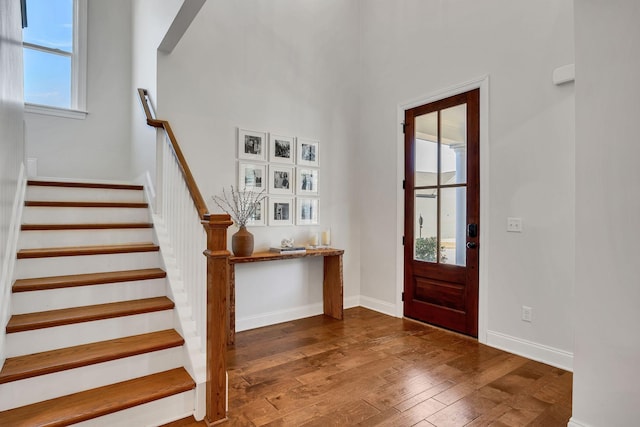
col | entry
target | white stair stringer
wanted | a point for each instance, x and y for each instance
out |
(49, 386)
(9, 260)
(195, 354)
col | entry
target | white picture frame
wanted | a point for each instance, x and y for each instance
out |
(281, 179)
(282, 149)
(259, 218)
(307, 181)
(307, 211)
(281, 211)
(252, 145)
(308, 153)
(252, 176)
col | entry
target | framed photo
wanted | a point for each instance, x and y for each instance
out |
(281, 179)
(259, 217)
(252, 176)
(307, 211)
(281, 211)
(252, 145)
(282, 149)
(308, 153)
(307, 181)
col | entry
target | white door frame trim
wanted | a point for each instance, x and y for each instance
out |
(481, 83)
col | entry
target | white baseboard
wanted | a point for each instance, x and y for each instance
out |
(350, 302)
(531, 350)
(575, 423)
(380, 306)
(274, 317)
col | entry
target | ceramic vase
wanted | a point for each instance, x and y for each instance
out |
(242, 242)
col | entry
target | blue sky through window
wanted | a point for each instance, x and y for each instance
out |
(47, 77)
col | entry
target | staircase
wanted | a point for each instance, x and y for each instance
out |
(91, 340)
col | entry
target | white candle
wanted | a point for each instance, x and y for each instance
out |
(314, 239)
(326, 237)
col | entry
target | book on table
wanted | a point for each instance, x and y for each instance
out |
(291, 250)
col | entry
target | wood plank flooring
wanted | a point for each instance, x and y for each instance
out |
(376, 370)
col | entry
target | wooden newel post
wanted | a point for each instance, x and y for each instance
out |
(217, 300)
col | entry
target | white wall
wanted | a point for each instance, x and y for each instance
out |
(151, 20)
(287, 67)
(11, 141)
(97, 147)
(607, 343)
(415, 48)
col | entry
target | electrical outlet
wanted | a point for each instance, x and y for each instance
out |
(514, 225)
(527, 314)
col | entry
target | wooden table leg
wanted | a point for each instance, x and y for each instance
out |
(231, 314)
(332, 286)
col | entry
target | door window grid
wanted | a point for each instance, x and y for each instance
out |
(435, 248)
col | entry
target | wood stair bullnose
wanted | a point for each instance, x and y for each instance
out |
(56, 204)
(32, 365)
(86, 405)
(57, 282)
(67, 316)
(70, 184)
(87, 250)
(105, 226)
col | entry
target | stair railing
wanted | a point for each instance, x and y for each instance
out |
(192, 231)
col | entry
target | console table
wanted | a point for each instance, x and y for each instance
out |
(331, 282)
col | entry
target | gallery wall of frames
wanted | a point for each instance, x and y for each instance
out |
(287, 168)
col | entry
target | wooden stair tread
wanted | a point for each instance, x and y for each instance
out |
(67, 316)
(46, 183)
(56, 282)
(97, 402)
(87, 250)
(56, 204)
(101, 226)
(31, 365)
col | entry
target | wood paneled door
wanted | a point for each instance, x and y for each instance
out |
(442, 209)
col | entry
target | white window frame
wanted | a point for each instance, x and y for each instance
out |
(78, 69)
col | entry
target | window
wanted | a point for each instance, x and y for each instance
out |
(55, 57)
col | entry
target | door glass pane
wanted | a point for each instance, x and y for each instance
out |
(426, 159)
(453, 225)
(426, 225)
(453, 152)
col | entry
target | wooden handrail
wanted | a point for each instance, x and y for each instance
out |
(194, 191)
(218, 283)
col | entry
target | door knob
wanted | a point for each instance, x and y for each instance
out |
(472, 245)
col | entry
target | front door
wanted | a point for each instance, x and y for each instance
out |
(442, 212)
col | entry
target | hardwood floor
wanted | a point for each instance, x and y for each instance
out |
(376, 370)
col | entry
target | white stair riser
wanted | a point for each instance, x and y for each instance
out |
(79, 296)
(156, 413)
(50, 386)
(72, 215)
(28, 342)
(60, 238)
(72, 194)
(85, 264)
